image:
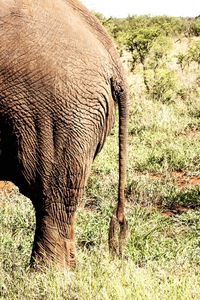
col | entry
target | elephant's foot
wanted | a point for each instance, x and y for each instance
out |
(58, 254)
(118, 232)
(52, 248)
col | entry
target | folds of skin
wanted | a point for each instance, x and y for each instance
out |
(60, 80)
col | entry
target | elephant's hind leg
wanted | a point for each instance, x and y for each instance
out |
(54, 236)
(55, 216)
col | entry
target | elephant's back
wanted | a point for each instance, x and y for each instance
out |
(53, 62)
(53, 44)
(54, 29)
(55, 39)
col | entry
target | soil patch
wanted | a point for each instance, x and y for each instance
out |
(193, 133)
(179, 209)
(181, 179)
(6, 186)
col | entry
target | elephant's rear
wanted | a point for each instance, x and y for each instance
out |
(60, 78)
(55, 69)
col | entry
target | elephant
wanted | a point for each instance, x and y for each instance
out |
(61, 80)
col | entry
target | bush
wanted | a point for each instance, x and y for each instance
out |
(162, 84)
(194, 27)
(194, 52)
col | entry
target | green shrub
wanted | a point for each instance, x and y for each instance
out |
(162, 85)
(194, 52)
(194, 28)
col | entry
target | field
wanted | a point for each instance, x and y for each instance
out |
(162, 258)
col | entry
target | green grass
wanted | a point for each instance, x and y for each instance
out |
(162, 257)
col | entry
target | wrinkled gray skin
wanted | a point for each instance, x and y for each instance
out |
(60, 80)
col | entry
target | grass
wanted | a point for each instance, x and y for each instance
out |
(161, 260)
(162, 257)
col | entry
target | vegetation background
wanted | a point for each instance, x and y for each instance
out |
(162, 259)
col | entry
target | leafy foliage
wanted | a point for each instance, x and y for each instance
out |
(194, 52)
(162, 84)
(168, 26)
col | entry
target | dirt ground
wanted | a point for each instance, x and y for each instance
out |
(6, 186)
(181, 179)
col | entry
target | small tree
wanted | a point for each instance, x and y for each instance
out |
(194, 52)
(191, 55)
(182, 60)
(162, 84)
(194, 27)
(139, 43)
(158, 53)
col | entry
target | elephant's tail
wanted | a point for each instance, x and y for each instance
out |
(118, 222)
